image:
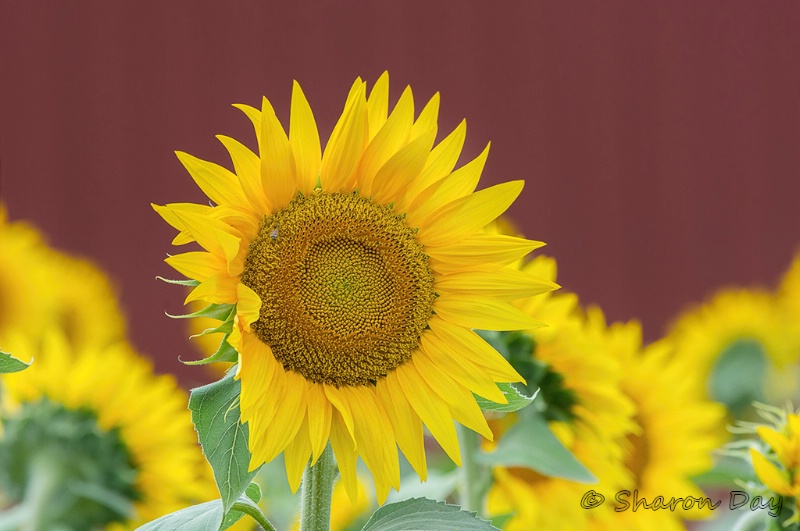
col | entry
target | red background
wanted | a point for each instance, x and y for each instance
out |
(658, 140)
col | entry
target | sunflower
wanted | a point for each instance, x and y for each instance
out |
(357, 273)
(113, 441)
(585, 407)
(675, 435)
(40, 287)
(737, 328)
(777, 463)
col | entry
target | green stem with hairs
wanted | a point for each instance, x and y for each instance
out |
(252, 511)
(315, 501)
(472, 476)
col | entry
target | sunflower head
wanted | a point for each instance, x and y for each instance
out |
(97, 433)
(356, 274)
(579, 379)
(737, 341)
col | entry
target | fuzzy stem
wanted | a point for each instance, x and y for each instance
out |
(257, 515)
(315, 502)
(471, 478)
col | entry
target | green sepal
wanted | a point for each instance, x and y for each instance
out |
(216, 418)
(224, 328)
(516, 400)
(190, 283)
(220, 312)
(423, 514)
(530, 444)
(9, 363)
(225, 353)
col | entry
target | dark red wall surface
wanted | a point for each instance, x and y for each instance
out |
(659, 141)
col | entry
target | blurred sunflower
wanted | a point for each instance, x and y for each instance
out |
(736, 342)
(675, 434)
(96, 438)
(357, 275)
(584, 405)
(40, 287)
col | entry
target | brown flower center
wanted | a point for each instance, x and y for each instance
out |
(346, 288)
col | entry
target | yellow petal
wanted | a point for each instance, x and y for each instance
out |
(440, 163)
(253, 114)
(773, 478)
(278, 173)
(257, 367)
(304, 138)
(430, 408)
(779, 444)
(296, 456)
(248, 170)
(459, 400)
(248, 305)
(466, 216)
(475, 349)
(427, 118)
(218, 289)
(344, 148)
(319, 420)
(393, 177)
(458, 184)
(196, 265)
(219, 184)
(340, 403)
(483, 313)
(374, 437)
(378, 104)
(405, 422)
(288, 417)
(167, 212)
(506, 284)
(392, 136)
(471, 376)
(265, 408)
(214, 236)
(479, 249)
(244, 221)
(345, 453)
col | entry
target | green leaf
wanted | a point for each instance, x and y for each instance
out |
(215, 413)
(425, 515)
(225, 353)
(253, 491)
(8, 363)
(530, 444)
(207, 516)
(516, 400)
(204, 517)
(220, 312)
(190, 283)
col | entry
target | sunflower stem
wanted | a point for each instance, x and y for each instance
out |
(315, 502)
(255, 514)
(470, 490)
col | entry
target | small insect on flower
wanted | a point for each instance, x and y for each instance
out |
(274, 233)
